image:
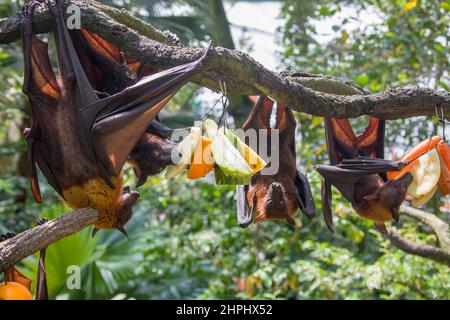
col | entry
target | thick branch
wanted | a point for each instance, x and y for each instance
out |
(439, 254)
(242, 74)
(30, 241)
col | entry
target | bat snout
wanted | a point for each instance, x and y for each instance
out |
(125, 211)
(276, 190)
(407, 178)
(275, 199)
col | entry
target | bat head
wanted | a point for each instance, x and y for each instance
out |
(394, 191)
(277, 203)
(125, 211)
(273, 202)
(150, 156)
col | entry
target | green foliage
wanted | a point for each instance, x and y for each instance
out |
(379, 43)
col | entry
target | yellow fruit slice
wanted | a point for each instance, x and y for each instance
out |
(186, 148)
(426, 173)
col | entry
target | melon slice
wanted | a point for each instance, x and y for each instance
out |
(418, 202)
(426, 172)
(227, 157)
(251, 157)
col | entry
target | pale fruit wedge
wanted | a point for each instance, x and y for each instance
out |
(418, 202)
(186, 148)
(251, 157)
(227, 157)
(426, 173)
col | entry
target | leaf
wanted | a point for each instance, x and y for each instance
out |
(410, 5)
(362, 79)
(344, 36)
(446, 6)
(316, 121)
(444, 85)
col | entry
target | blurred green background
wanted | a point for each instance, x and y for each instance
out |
(184, 240)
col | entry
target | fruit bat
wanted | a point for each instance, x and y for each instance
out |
(276, 196)
(152, 153)
(358, 170)
(80, 137)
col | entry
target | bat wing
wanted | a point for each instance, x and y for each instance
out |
(343, 179)
(344, 175)
(41, 87)
(160, 129)
(244, 213)
(326, 204)
(371, 165)
(116, 123)
(304, 194)
(259, 117)
(342, 142)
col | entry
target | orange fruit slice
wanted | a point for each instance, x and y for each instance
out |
(444, 180)
(422, 147)
(203, 161)
(14, 291)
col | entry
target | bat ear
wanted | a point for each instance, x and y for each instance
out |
(259, 117)
(326, 205)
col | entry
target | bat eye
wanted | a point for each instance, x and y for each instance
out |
(157, 154)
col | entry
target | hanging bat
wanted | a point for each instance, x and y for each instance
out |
(358, 170)
(100, 59)
(276, 196)
(80, 137)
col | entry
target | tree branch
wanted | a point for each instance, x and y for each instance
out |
(440, 227)
(422, 250)
(439, 254)
(242, 73)
(30, 241)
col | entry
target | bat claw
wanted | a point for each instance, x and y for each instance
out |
(123, 231)
(6, 236)
(41, 221)
(94, 232)
(290, 221)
